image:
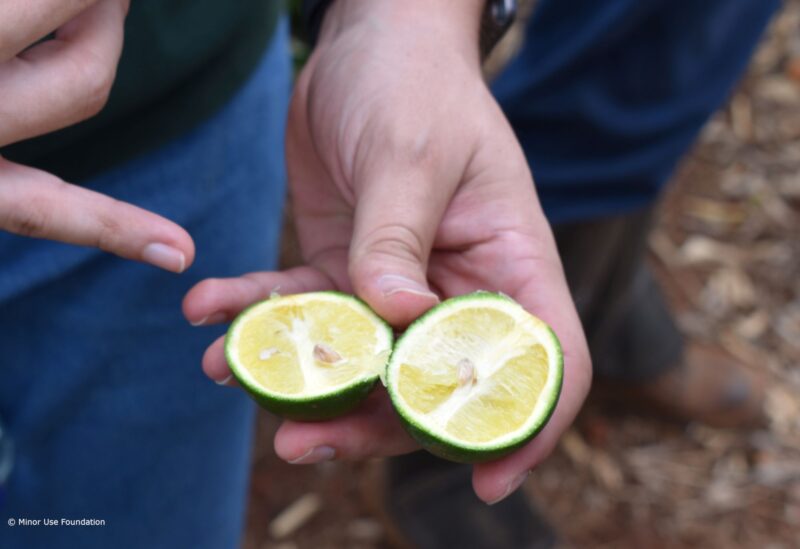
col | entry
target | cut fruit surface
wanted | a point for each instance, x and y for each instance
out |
(308, 356)
(475, 377)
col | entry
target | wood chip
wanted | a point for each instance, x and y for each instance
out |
(722, 494)
(777, 473)
(365, 530)
(793, 68)
(788, 324)
(664, 249)
(607, 471)
(778, 89)
(295, 516)
(783, 409)
(574, 446)
(742, 117)
(714, 212)
(699, 249)
(727, 289)
(753, 325)
(788, 187)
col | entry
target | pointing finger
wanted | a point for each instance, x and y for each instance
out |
(36, 204)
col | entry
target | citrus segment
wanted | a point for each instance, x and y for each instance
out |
(505, 401)
(424, 390)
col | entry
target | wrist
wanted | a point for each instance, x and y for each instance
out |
(451, 23)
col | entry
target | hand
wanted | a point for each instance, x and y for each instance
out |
(51, 85)
(407, 184)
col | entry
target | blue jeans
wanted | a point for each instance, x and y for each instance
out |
(607, 95)
(102, 391)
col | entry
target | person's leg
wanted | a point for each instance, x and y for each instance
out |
(606, 98)
(102, 390)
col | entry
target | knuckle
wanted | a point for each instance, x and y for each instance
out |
(397, 241)
(109, 233)
(210, 286)
(32, 220)
(97, 77)
(407, 147)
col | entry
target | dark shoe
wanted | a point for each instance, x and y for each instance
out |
(640, 357)
(428, 503)
(629, 327)
(708, 386)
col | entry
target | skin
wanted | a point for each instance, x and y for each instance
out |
(408, 186)
(52, 85)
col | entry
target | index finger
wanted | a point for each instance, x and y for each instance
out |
(23, 22)
(36, 204)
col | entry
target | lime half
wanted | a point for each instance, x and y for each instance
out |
(475, 377)
(310, 356)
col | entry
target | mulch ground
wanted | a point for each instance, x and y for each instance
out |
(727, 247)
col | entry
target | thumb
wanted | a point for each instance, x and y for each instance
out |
(396, 220)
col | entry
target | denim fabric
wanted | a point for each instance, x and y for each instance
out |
(102, 391)
(606, 96)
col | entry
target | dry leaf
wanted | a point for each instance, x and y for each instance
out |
(295, 516)
(606, 471)
(728, 288)
(753, 325)
(575, 448)
(742, 117)
(714, 212)
(698, 249)
(778, 89)
(788, 324)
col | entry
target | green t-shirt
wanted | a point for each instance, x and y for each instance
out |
(182, 60)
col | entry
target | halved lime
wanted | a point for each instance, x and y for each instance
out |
(475, 377)
(310, 356)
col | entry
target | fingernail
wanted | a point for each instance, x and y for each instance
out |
(512, 487)
(165, 257)
(223, 382)
(395, 284)
(315, 455)
(216, 318)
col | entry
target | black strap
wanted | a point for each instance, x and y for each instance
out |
(313, 12)
(498, 16)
